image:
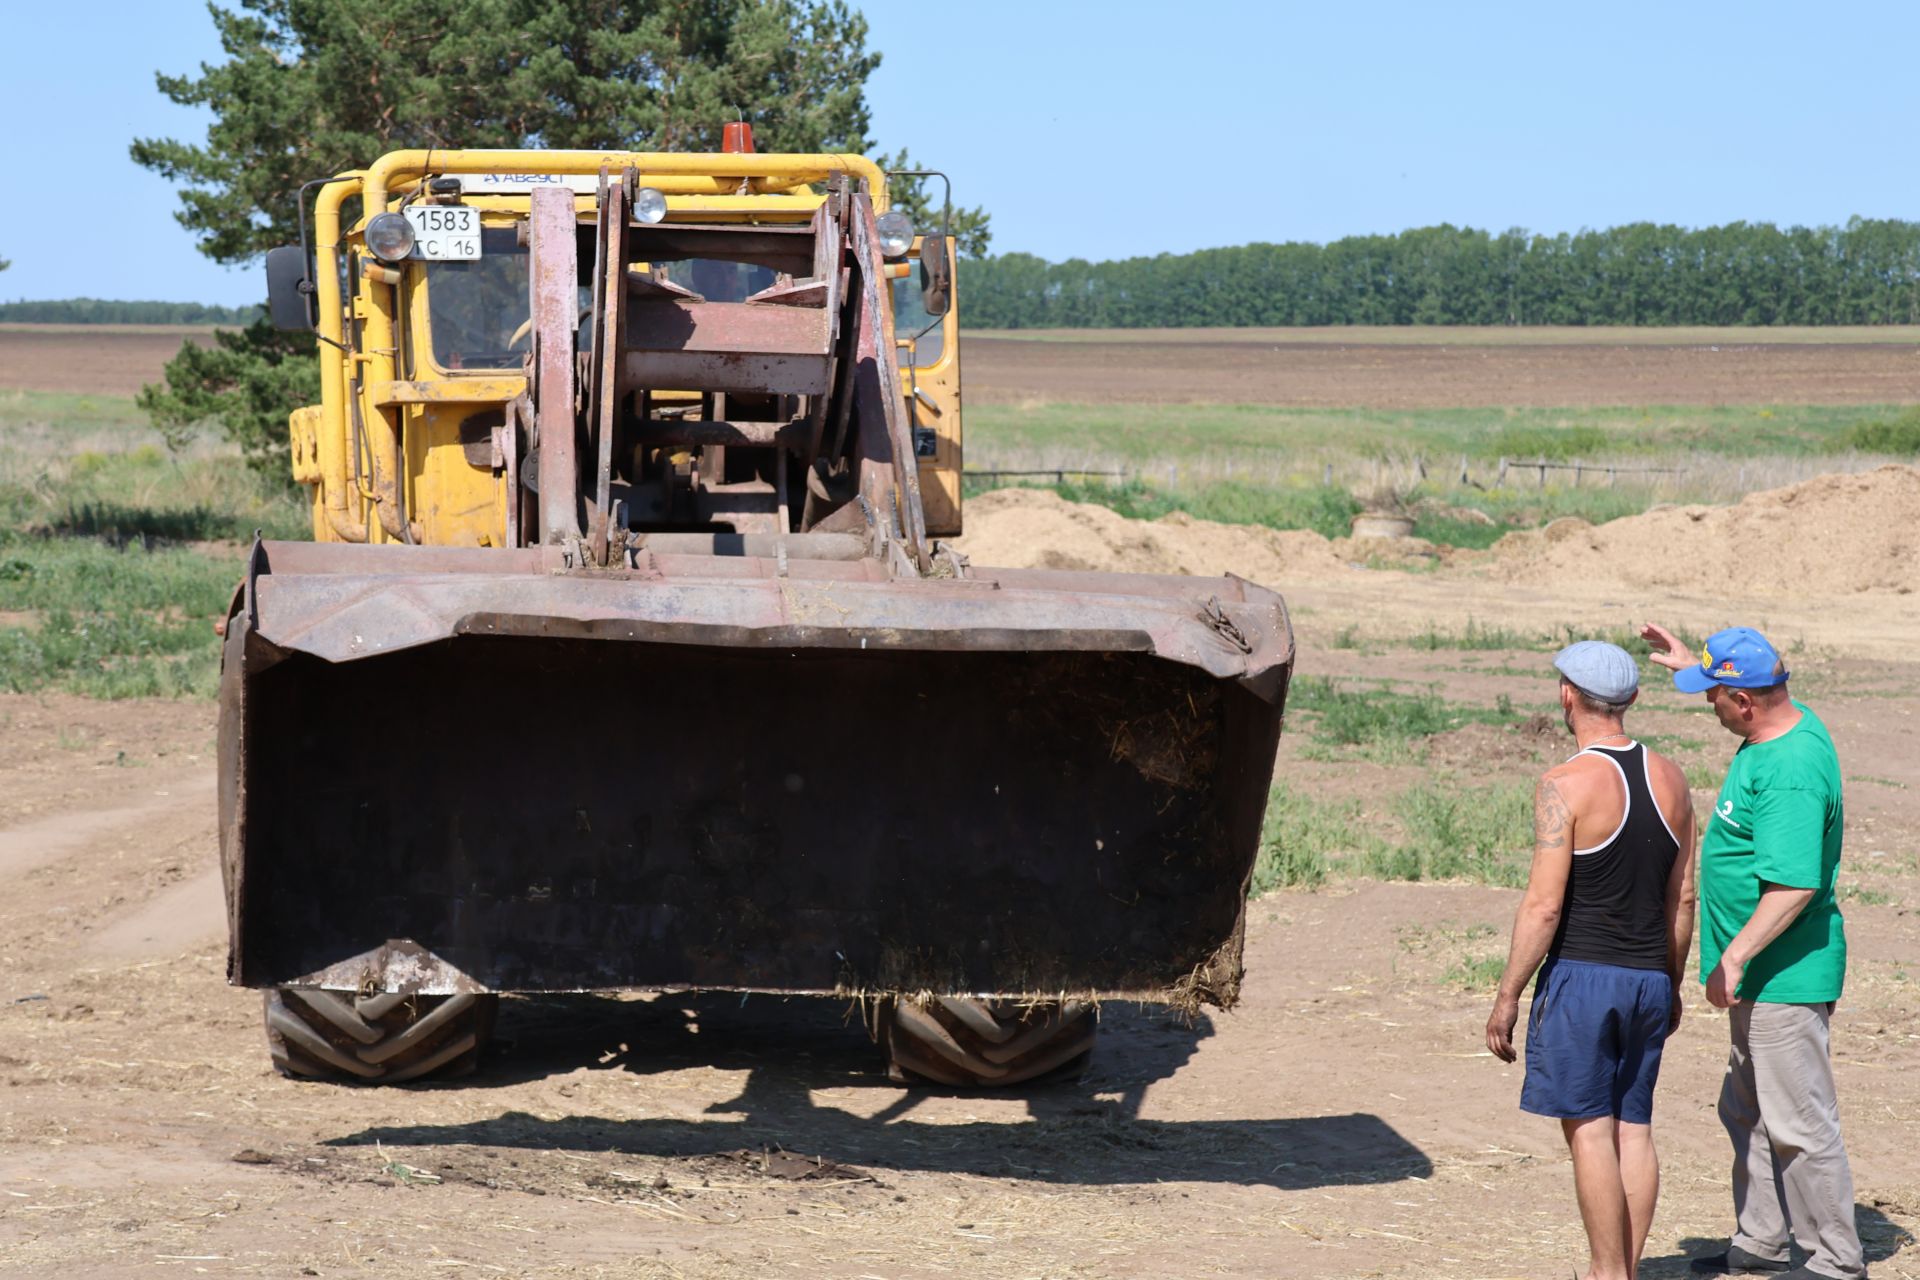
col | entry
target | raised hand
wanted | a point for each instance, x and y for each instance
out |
(1667, 649)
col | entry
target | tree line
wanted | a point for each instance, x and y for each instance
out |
(108, 311)
(1745, 273)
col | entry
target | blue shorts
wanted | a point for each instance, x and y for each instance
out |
(1594, 1037)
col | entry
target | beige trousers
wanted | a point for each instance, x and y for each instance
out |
(1790, 1171)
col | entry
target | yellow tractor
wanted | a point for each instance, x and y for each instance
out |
(628, 654)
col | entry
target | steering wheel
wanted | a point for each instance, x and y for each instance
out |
(525, 332)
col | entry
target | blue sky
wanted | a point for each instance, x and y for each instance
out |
(1108, 130)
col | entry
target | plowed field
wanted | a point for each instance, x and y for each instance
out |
(1324, 368)
(113, 360)
(1321, 368)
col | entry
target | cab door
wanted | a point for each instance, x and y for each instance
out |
(928, 351)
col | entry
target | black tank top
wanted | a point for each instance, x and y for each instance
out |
(1615, 909)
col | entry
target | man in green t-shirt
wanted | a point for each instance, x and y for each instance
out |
(1773, 953)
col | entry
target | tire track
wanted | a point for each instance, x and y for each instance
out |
(36, 844)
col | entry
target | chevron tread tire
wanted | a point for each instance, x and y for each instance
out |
(380, 1039)
(980, 1044)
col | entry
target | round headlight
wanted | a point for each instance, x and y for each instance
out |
(649, 205)
(896, 232)
(390, 236)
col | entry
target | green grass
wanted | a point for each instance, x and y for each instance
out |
(1439, 831)
(1302, 838)
(111, 621)
(1325, 509)
(1293, 502)
(1347, 721)
(1554, 443)
(104, 655)
(1480, 834)
(82, 575)
(1476, 635)
(1476, 973)
(1156, 432)
(1348, 716)
(117, 555)
(1899, 436)
(69, 413)
(1289, 468)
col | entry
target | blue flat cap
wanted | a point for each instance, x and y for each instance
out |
(1604, 670)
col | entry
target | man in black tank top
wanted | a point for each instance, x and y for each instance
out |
(1609, 910)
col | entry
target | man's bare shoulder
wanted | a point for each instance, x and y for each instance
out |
(1583, 774)
(1669, 781)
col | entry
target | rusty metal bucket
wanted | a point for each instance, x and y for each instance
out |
(456, 770)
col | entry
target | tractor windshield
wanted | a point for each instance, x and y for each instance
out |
(718, 280)
(478, 309)
(910, 320)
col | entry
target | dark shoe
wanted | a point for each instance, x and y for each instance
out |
(1737, 1262)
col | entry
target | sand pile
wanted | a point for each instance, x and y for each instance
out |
(1038, 529)
(1832, 535)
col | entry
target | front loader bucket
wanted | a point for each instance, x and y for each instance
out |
(455, 770)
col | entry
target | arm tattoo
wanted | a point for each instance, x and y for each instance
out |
(1552, 820)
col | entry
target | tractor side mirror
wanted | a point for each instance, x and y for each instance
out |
(290, 298)
(936, 275)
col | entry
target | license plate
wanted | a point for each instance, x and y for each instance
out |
(445, 232)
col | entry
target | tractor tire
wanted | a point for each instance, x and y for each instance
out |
(378, 1039)
(981, 1044)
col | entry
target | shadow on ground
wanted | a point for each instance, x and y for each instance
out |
(1086, 1130)
(1880, 1239)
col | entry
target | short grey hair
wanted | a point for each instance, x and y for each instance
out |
(1597, 706)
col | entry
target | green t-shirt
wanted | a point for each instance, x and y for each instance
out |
(1778, 819)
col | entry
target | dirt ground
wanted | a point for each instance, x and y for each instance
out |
(1325, 369)
(115, 360)
(1344, 1121)
(1321, 368)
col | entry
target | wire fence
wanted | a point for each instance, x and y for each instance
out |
(1059, 474)
(1540, 466)
(1678, 475)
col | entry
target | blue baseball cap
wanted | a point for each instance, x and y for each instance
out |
(1739, 658)
(1604, 670)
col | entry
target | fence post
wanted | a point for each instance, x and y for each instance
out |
(1326, 475)
(1501, 482)
(1578, 466)
(1463, 469)
(1542, 464)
